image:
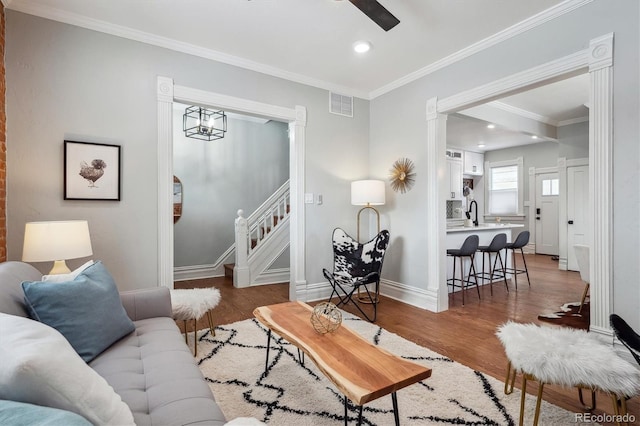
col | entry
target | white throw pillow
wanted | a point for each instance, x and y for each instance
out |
(61, 278)
(40, 367)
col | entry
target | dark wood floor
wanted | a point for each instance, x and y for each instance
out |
(464, 333)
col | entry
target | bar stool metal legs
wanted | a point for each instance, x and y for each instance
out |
(498, 243)
(521, 240)
(467, 250)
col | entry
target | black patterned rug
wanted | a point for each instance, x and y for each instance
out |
(233, 363)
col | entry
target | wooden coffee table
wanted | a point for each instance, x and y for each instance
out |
(362, 371)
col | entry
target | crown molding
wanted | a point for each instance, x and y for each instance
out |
(523, 113)
(70, 18)
(519, 28)
(573, 121)
(75, 19)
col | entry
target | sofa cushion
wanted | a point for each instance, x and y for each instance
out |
(60, 278)
(87, 310)
(12, 274)
(39, 366)
(22, 414)
(156, 375)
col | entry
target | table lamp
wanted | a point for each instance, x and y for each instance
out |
(367, 193)
(56, 241)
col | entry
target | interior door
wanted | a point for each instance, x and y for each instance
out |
(577, 205)
(547, 216)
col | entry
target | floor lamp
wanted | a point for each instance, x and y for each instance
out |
(368, 193)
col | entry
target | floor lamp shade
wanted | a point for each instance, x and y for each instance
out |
(367, 193)
(56, 241)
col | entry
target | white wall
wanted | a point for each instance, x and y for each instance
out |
(398, 128)
(65, 82)
(239, 171)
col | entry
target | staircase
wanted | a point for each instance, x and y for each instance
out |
(260, 239)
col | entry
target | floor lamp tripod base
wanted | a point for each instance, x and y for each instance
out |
(377, 297)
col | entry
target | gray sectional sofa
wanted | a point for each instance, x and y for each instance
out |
(151, 369)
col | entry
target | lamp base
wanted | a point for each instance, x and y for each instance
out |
(59, 267)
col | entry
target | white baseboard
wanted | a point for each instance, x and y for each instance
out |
(407, 294)
(410, 295)
(529, 248)
(273, 276)
(196, 272)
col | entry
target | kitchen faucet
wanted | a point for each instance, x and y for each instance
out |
(475, 222)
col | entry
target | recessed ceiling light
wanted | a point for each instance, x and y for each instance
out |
(534, 137)
(361, 46)
(481, 145)
(491, 126)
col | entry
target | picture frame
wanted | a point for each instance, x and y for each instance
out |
(92, 171)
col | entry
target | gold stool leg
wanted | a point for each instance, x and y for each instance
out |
(510, 380)
(593, 399)
(523, 396)
(212, 329)
(584, 296)
(195, 337)
(537, 415)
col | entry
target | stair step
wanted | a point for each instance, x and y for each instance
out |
(228, 269)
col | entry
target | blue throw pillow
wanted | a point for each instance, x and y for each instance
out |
(87, 311)
(23, 414)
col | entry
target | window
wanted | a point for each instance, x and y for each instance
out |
(550, 187)
(504, 188)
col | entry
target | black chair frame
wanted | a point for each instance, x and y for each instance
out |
(467, 250)
(498, 243)
(356, 265)
(521, 240)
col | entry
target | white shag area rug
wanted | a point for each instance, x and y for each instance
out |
(233, 363)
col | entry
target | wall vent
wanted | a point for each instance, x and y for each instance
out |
(341, 104)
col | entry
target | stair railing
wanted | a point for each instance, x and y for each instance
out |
(251, 232)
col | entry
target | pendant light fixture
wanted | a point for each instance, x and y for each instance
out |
(205, 124)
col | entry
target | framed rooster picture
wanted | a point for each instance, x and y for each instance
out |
(91, 171)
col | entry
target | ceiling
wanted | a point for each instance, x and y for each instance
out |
(520, 119)
(312, 41)
(309, 41)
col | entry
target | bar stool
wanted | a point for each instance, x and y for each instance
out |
(521, 240)
(468, 249)
(498, 243)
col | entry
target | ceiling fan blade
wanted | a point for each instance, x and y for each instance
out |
(377, 13)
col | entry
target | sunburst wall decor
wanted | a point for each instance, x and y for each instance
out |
(402, 175)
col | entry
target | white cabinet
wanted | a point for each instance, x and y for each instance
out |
(473, 163)
(454, 173)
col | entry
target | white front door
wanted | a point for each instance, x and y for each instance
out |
(577, 205)
(547, 217)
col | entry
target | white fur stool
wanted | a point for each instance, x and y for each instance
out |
(193, 304)
(566, 357)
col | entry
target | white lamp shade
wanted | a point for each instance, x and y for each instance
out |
(62, 240)
(367, 192)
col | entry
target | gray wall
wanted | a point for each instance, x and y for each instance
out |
(219, 177)
(398, 128)
(573, 141)
(68, 82)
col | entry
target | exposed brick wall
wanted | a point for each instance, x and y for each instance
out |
(3, 146)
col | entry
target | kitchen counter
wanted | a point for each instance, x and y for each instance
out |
(483, 227)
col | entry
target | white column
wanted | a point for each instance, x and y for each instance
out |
(435, 220)
(165, 181)
(241, 273)
(601, 181)
(298, 282)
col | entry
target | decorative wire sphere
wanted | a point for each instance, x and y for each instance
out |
(326, 318)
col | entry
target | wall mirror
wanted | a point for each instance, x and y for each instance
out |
(177, 199)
